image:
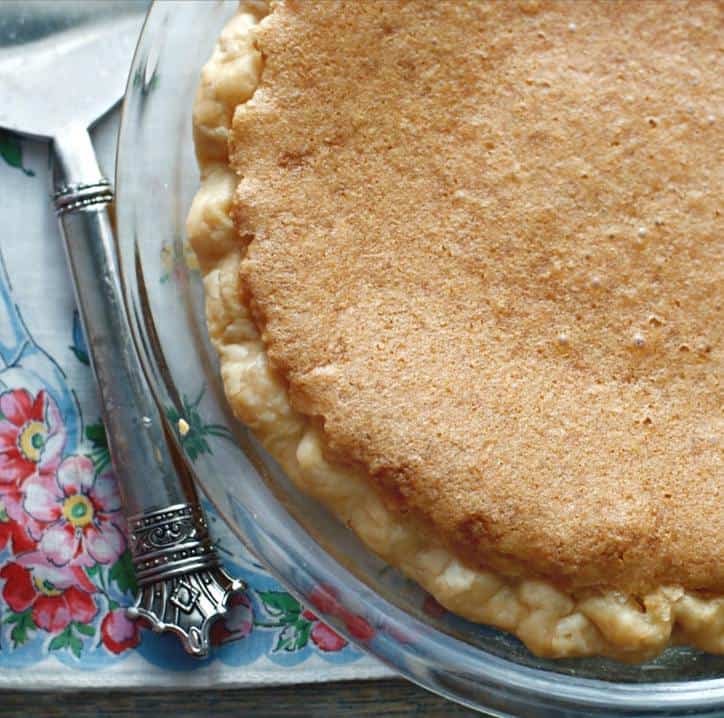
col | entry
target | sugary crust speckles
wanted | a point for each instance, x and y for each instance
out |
(551, 621)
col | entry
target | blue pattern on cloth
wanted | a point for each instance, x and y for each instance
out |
(64, 617)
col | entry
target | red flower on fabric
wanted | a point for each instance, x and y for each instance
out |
(55, 597)
(32, 435)
(324, 598)
(324, 637)
(11, 532)
(81, 513)
(118, 632)
(357, 626)
(238, 622)
(32, 438)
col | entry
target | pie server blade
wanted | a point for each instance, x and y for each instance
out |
(63, 62)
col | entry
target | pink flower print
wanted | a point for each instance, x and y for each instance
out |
(81, 512)
(118, 632)
(55, 597)
(326, 639)
(61, 577)
(32, 438)
(237, 623)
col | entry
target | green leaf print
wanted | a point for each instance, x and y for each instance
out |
(12, 152)
(123, 574)
(99, 454)
(280, 604)
(93, 570)
(195, 432)
(75, 645)
(294, 636)
(60, 641)
(96, 434)
(286, 613)
(84, 628)
(68, 639)
(22, 624)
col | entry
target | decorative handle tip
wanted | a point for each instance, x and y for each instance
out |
(182, 587)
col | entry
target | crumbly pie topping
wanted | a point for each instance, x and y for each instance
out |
(523, 415)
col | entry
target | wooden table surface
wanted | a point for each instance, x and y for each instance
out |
(363, 699)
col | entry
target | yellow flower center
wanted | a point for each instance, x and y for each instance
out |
(45, 587)
(78, 511)
(32, 440)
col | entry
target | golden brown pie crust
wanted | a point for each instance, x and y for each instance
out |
(482, 242)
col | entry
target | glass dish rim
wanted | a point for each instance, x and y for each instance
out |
(535, 685)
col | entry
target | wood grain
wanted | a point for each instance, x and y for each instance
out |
(388, 699)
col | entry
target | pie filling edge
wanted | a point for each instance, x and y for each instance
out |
(550, 622)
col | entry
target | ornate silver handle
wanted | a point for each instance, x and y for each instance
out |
(182, 587)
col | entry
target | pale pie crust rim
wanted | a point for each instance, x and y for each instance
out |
(550, 622)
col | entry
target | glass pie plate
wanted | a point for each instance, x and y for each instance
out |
(293, 536)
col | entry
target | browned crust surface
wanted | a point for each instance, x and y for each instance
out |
(466, 218)
(556, 622)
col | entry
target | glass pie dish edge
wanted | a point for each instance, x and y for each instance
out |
(294, 537)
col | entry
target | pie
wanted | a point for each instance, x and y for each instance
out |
(463, 269)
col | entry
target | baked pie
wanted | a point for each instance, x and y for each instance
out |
(463, 270)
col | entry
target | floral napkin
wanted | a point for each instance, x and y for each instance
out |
(65, 571)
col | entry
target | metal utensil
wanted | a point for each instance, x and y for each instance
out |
(63, 65)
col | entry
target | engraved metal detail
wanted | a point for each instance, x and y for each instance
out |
(69, 198)
(185, 597)
(182, 586)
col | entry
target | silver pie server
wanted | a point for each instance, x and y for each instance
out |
(63, 65)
